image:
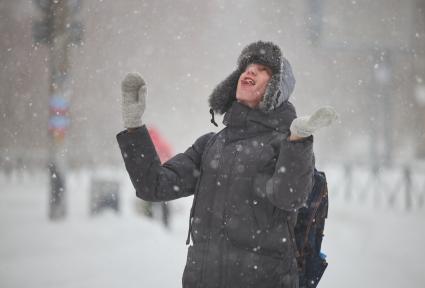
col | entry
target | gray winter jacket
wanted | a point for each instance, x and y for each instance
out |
(248, 181)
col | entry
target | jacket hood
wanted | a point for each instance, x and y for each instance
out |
(279, 88)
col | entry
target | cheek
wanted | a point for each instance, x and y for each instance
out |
(238, 91)
(262, 88)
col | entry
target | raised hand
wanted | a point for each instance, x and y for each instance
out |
(306, 125)
(134, 91)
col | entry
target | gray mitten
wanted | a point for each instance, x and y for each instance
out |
(134, 91)
(307, 125)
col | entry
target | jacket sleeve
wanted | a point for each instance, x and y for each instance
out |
(155, 182)
(292, 180)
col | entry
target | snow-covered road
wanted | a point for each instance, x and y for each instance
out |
(365, 248)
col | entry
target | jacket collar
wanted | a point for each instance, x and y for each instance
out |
(245, 118)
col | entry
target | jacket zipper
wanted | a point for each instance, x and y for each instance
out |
(204, 256)
(223, 258)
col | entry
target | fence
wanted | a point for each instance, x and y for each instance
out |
(396, 187)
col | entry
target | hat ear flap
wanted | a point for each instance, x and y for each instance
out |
(280, 87)
(224, 93)
(288, 79)
(271, 98)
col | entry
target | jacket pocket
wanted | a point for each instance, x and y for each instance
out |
(249, 222)
(248, 269)
(240, 223)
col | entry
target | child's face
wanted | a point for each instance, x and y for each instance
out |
(252, 84)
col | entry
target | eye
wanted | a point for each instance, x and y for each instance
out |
(263, 68)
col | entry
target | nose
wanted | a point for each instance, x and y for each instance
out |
(251, 70)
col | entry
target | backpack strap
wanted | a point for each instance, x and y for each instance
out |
(315, 204)
(292, 236)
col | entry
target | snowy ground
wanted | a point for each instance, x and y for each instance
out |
(366, 247)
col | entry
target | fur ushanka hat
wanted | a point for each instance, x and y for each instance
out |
(280, 85)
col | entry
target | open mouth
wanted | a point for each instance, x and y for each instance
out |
(248, 81)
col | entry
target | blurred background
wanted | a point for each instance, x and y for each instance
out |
(68, 214)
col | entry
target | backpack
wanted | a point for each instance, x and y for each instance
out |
(309, 234)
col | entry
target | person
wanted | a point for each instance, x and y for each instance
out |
(248, 180)
(164, 153)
